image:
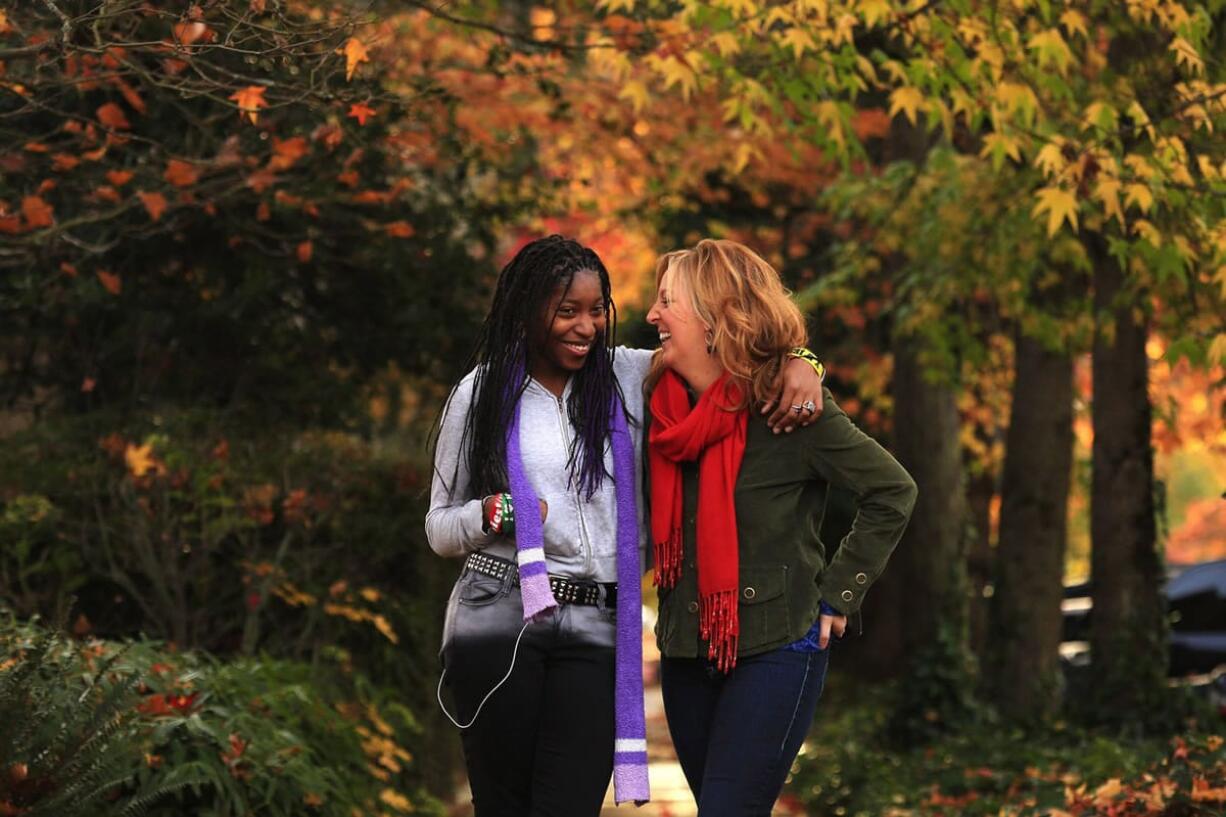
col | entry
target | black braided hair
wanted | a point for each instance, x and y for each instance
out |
(500, 356)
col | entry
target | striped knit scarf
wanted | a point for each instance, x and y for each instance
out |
(630, 730)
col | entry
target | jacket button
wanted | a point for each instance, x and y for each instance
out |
(750, 592)
(692, 607)
(861, 578)
(847, 595)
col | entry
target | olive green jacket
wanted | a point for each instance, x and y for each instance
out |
(785, 568)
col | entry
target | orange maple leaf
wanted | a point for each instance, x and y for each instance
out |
(63, 162)
(249, 101)
(361, 112)
(191, 32)
(305, 251)
(140, 460)
(286, 152)
(119, 177)
(113, 116)
(37, 212)
(111, 283)
(129, 94)
(400, 229)
(107, 193)
(355, 54)
(154, 202)
(181, 173)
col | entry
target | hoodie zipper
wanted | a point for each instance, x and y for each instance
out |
(583, 537)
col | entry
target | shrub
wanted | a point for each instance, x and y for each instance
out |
(164, 732)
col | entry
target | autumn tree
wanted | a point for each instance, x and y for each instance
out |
(223, 203)
(1123, 153)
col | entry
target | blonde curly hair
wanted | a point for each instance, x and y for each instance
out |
(740, 298)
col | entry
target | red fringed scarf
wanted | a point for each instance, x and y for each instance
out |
(715, 437)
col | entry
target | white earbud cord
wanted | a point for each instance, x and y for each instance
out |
(488, 695)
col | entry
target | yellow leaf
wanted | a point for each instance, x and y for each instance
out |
(997, 146)
(614, 6)
(1140, 166)
(675, 72)
(1147, 231)
(1187, 56)
(946, 118)
(963, 103)
(355, 54)
(742, 156)
(1018, 98)
(636, 93)
(797, 39)
(1217, 349)
(396, 800)
(1060, 205)
(1051, 49)
(874, 11)
(1074, 22)
(1107, 191)
(726, 43)
(832, 119)
(1139, 195)
(1207, 168)
(907, 99)
(1099, 115)
(896, 71)
(1139, 116)
(1050, 159)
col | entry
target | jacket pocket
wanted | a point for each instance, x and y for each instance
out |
(763, 610)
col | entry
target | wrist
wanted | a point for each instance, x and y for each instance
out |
(801, 353)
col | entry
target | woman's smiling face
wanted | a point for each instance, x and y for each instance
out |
(572, 321)
(683, 335)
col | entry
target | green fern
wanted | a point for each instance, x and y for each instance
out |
(68, 735)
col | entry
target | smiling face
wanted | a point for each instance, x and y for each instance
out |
(571, 322)
(683, 334)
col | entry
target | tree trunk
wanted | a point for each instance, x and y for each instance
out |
(931, 559)
(1023, 664)
(980, 490)
(933, 551)
(1128, 628)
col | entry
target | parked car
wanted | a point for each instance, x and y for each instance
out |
(1196, 606)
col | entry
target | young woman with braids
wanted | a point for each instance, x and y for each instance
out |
(537, 485)
(749, 595)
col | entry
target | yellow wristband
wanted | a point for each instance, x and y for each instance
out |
(810, 358)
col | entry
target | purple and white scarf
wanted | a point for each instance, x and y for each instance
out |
(630, 726)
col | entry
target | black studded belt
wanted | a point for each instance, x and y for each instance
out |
(565, 590)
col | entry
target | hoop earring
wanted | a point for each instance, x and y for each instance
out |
(710, 343)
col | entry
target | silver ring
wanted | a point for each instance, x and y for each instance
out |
(809, 406)
(797, 408)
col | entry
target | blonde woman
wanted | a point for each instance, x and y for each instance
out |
(749, 594)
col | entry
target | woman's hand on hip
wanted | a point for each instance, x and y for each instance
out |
(828, 624)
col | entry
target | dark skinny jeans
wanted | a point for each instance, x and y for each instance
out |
(736, 735)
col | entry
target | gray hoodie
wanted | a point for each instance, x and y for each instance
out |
(580, 535)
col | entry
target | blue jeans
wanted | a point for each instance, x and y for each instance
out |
(736, 735)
